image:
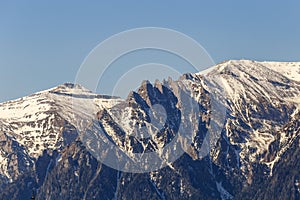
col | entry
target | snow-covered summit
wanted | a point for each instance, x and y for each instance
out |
(289, 69)
(251, 78)
(261, 97)
(34, 119)
(70, 88)
(37, 122)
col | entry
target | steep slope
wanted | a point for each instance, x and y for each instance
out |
(260, 102)
(51, 139)
(45, 121)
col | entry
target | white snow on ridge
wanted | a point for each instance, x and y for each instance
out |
(248, 85)
(24, 108)
(245, 78)
(35, 120)
(289, 69)
(70, 88)
(295, 100)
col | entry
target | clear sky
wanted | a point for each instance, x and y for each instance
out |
(43, 43)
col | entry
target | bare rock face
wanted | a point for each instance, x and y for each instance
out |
(254, 155)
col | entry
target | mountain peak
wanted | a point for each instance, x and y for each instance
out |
(257, 142)
(290, 70)
(70, 88)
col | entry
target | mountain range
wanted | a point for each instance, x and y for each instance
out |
(231, 132)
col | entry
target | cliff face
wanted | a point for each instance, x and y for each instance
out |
(248, 112)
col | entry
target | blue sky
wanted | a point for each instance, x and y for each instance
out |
(43, 43)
